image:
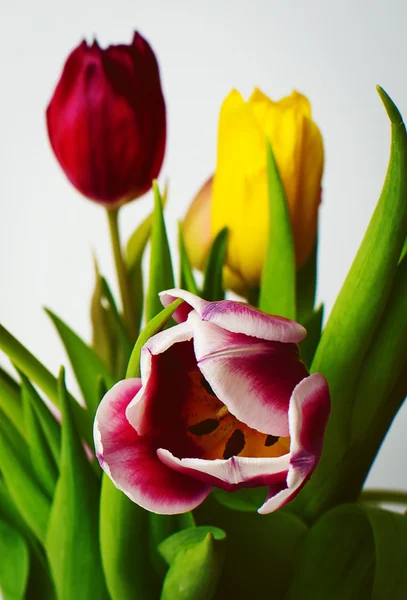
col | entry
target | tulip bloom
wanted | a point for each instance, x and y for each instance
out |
(106, 121)
(223, 400)
(240, 187)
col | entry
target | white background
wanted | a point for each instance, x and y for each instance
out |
(333, 52)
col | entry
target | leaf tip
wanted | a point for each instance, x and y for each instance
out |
(391, 109)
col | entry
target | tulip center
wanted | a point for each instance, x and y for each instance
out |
(217, 433)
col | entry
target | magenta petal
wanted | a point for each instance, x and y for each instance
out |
(308, 417)
(254, 378)
(132, 463)
(238, 317)
(231, 474)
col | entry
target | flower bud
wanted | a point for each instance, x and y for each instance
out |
(240, 188)
(106, 121)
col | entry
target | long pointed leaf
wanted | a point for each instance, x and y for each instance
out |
(187, 280)
(86, 364)
(123, 542)
(10, 401)
(277, 289)
(305, 287)
(213, 278)
(41, 376)
(161, 273)
(23, 486)
(42, 461)
(154, 326)
(72, 542)
(14, 563)
(358, 310)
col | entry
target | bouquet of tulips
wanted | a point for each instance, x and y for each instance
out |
(223, 437)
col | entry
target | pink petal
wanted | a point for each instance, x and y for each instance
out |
(192, 302)
(308, 417)
(231, 474)
(132, 463)
(253, 378)
(137, 411)
(239, 318)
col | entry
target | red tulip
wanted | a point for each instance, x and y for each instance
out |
(106, 121)
(224, 400)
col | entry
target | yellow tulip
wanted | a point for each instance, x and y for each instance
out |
(240, 189)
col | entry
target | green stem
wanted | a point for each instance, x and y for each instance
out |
(379, 496)
(122, 273)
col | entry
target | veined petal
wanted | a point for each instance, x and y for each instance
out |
(240, 318)
(231, 474)
(254, 378)
(132, 463)
(308, 417)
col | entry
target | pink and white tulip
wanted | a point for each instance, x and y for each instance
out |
(223, 401)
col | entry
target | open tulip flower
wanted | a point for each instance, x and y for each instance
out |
(224, 400)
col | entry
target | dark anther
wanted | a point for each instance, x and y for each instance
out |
(235, 444)
(204, 427)
(271, 440)
(207, 387)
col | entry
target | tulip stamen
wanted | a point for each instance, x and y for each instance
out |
(235, 444)
(222, 412)
(204, 427)
(271, 440)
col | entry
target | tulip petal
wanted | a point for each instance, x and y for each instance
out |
(137, 410)
(253, 378)
(231, 474)
(239, 317)
(308, 417)
(132, 463)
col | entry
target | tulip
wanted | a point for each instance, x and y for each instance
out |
(106, 121)
(238, 199)
(223, 401)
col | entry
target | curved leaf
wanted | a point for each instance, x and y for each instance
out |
(187, 279)
(123, 541)
(72, 542)
(277, 288)
(14, 563)
(86, 365)
(213, 278)
(10, 400)
(161, 273)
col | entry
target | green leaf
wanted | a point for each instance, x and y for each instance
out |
(357, 552)
(23, 486)
(357, 313)
(49, 425)
(306, 285)
(277, 289)
(10, 401)
(42, 460)
(72, 541)
(213, 278)
(37, 373)
(336, 559)
(161, 527)
(313, 325)
(195, 570)
(187, 280)
(390, 538)
(263, 547)
(123, 541)
(86, 364)
(161, 274)
(246, 500)
(154, 326)
(104, 342)
(14, 563)
(180, 540)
